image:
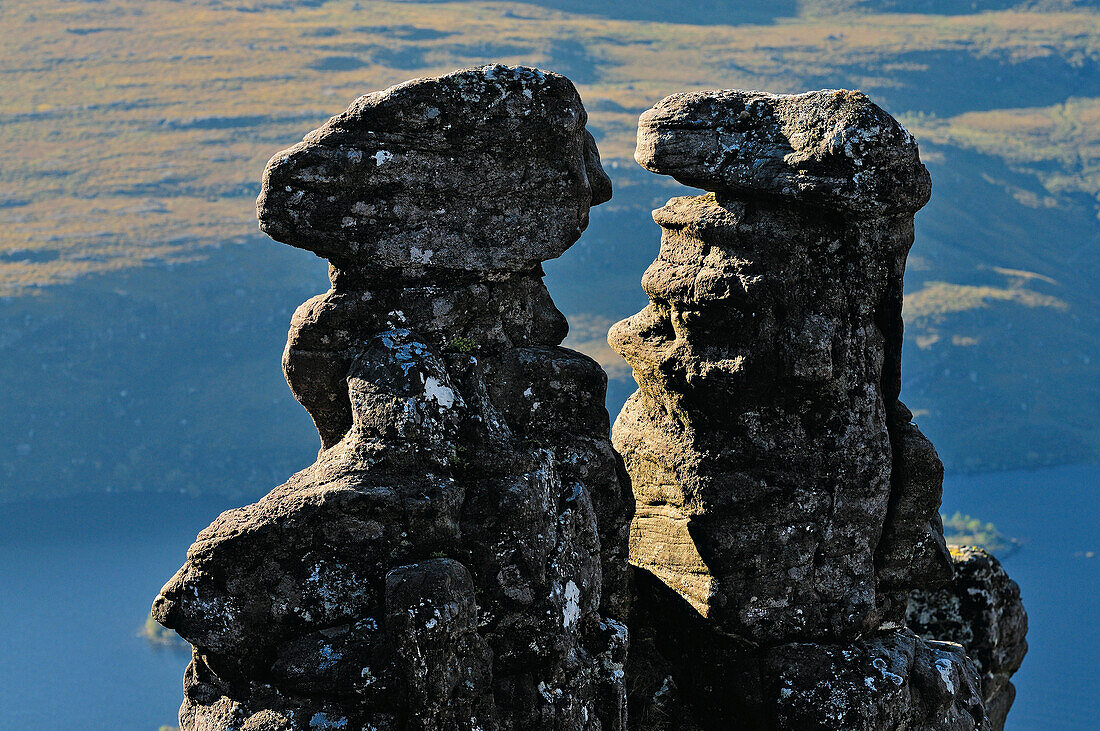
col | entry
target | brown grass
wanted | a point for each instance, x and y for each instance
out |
(114, 155)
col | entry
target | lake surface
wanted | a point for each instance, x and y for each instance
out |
(77, 577)
(1054, 514)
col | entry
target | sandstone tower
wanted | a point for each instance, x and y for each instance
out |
(786, 503)
(456, 558)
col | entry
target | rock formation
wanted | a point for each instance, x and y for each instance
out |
(786, 505)
(456, 557)
(981, 610)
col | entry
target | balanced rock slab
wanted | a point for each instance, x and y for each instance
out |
(834, 148)
(487, 169)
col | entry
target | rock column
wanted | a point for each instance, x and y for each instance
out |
(456, 557)
(786, 504)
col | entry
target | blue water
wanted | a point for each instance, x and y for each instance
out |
(77, 576)
(1055, 514)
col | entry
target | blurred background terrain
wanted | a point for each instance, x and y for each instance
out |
(142, 316)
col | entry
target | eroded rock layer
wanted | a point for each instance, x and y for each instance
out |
(786, 504)
(456, 557)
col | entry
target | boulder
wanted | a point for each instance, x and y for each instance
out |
(981, 610)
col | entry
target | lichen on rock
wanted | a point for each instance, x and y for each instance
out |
(831, 147)
(469, 172)
(980, 609)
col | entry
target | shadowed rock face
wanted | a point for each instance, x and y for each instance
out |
(785, 502)
(456, 557)
(981, 610)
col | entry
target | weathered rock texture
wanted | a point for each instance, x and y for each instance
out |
(786, 504)
(981, 610)
(456, 558)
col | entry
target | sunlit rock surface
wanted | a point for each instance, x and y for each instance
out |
(831, 147)
(456, 557)
(478, 172)
(786, 504)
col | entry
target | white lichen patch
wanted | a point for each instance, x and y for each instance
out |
(945, 669)
(894, 678)
(420, 256)
(438, 392)
(572, 610)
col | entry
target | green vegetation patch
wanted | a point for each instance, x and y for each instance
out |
(160, 636)
(136, 130)
(1058, 144)
(963, 530)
